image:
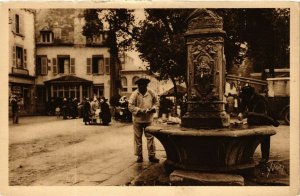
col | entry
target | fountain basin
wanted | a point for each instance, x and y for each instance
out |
(217, 150)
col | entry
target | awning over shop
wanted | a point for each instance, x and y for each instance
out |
(21, 80)
(180, 90)
(68, 80)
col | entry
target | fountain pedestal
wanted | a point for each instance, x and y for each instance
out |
(206, 71)
(215, 150)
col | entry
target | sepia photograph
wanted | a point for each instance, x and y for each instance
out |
(151, 96)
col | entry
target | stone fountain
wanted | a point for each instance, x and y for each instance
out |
(205, 143)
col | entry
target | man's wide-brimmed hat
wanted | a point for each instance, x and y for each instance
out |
(142, 81)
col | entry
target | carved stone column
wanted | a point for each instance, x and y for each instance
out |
(206, 71)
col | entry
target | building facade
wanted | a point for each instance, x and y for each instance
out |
(22, 58)
(68, 64)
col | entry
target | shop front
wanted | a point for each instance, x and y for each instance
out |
(23, 89)
(68, 87)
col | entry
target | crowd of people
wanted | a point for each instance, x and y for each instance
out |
(94, 109)
(91, 110)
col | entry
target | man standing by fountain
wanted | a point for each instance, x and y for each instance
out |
(142, 104)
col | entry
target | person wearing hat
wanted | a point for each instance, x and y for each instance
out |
(255, 108)
(105, 115)
(94, 108)
(86, 111)
(65, 108)
(15, 109)
(142, 104)
(74, 106)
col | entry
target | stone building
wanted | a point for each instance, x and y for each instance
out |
(69, 64)
(22, 58)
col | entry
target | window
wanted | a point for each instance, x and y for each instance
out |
(134, 79)
(124, 83)
(41, 65)
(17, 23)
(85, 91)
(71, 91)
(97, 64)
(19, 55)
(98, 91)
(58, 91)
(95, 39)
(63, 64)
(46, 37)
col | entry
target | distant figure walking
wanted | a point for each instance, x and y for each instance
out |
(15, 109)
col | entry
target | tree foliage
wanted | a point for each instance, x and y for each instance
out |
(265, 30)
(162, 43)
(121, 32)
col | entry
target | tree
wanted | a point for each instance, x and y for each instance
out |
(265, 30)
(121, 32)
(162, 44)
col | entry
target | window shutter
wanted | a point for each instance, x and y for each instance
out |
(72, 66)
(21, 24)
(24, 58)
(14, 56)
(54, 66)
(107, 66)
(88, 67)
(101, 66)
(44, 65)
(13, 22)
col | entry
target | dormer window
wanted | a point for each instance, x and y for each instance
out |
(46, 35)
(96, 39)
